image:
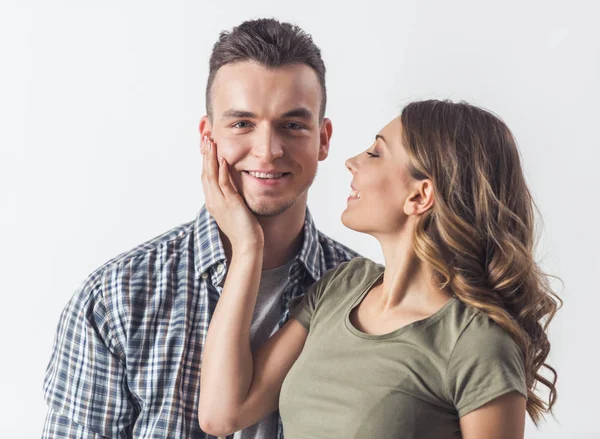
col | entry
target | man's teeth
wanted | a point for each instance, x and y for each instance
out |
(354, 193)
(263, 175)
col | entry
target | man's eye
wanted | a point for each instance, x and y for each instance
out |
(372, 155)
(241, 124)
(293, 126)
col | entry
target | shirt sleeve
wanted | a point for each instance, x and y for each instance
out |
(303, 307)
(486, 364)
(57, 426)
(85, 385)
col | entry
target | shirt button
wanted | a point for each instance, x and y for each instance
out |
(220, 268)
(205, 275)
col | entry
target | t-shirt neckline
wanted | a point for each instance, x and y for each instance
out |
(397, 332)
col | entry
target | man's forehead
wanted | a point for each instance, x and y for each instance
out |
(250, 87)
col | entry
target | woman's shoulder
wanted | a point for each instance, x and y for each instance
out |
(485, 362)
(360, 265)
(477, 332)
(349, 276)
(355, 271)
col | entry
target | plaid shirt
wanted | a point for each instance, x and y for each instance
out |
(127, 354)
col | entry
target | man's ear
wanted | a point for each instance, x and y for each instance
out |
(205, 127)
(324, 138)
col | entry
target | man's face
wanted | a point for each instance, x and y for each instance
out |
(266, 125)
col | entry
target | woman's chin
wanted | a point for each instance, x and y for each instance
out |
(350, 222)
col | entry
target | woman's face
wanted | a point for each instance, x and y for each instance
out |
(381, 188)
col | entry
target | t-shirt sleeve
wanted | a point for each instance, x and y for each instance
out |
(486, 364)
(302, 308)
(85, 385)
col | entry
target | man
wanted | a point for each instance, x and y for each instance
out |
(127, 355)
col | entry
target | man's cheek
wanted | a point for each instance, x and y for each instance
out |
(237, 179)
(230, 151)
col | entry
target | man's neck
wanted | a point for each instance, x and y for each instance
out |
(283, 235)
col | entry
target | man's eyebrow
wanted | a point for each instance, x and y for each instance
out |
(301, 112)
(237, 114)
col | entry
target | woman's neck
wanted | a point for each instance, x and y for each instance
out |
(407, 279)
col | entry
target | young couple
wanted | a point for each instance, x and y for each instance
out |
(190, 335)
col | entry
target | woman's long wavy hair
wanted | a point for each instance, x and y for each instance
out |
(479, 235)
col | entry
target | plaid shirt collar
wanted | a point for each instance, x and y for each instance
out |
(209, 250)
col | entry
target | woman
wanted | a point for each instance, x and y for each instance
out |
(447, 340)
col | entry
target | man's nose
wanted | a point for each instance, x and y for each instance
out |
(267, 146)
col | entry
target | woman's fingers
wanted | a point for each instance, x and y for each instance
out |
(205, 186)
(211, 168)
(212, 165)
(223, 200)
(225, 179)
(213, 196)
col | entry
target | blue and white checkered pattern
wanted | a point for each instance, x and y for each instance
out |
(126, 357)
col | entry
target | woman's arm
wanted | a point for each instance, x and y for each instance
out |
(501, 418)
(238, 389)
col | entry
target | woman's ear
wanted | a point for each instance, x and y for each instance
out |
(421, 198)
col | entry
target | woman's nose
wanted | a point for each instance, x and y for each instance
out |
(350, 165)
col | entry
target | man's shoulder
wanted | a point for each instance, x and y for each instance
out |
(166, 241)
(129, 263)
(334, 252)
(130, 276)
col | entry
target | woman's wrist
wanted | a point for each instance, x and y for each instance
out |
(248, 248)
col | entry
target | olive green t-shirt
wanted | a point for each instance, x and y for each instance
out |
(415, 382)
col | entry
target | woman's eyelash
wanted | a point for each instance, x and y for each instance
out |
(372, 154)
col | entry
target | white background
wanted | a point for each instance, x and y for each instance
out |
(99, 104)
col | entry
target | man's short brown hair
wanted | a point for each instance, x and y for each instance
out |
(269, 43)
